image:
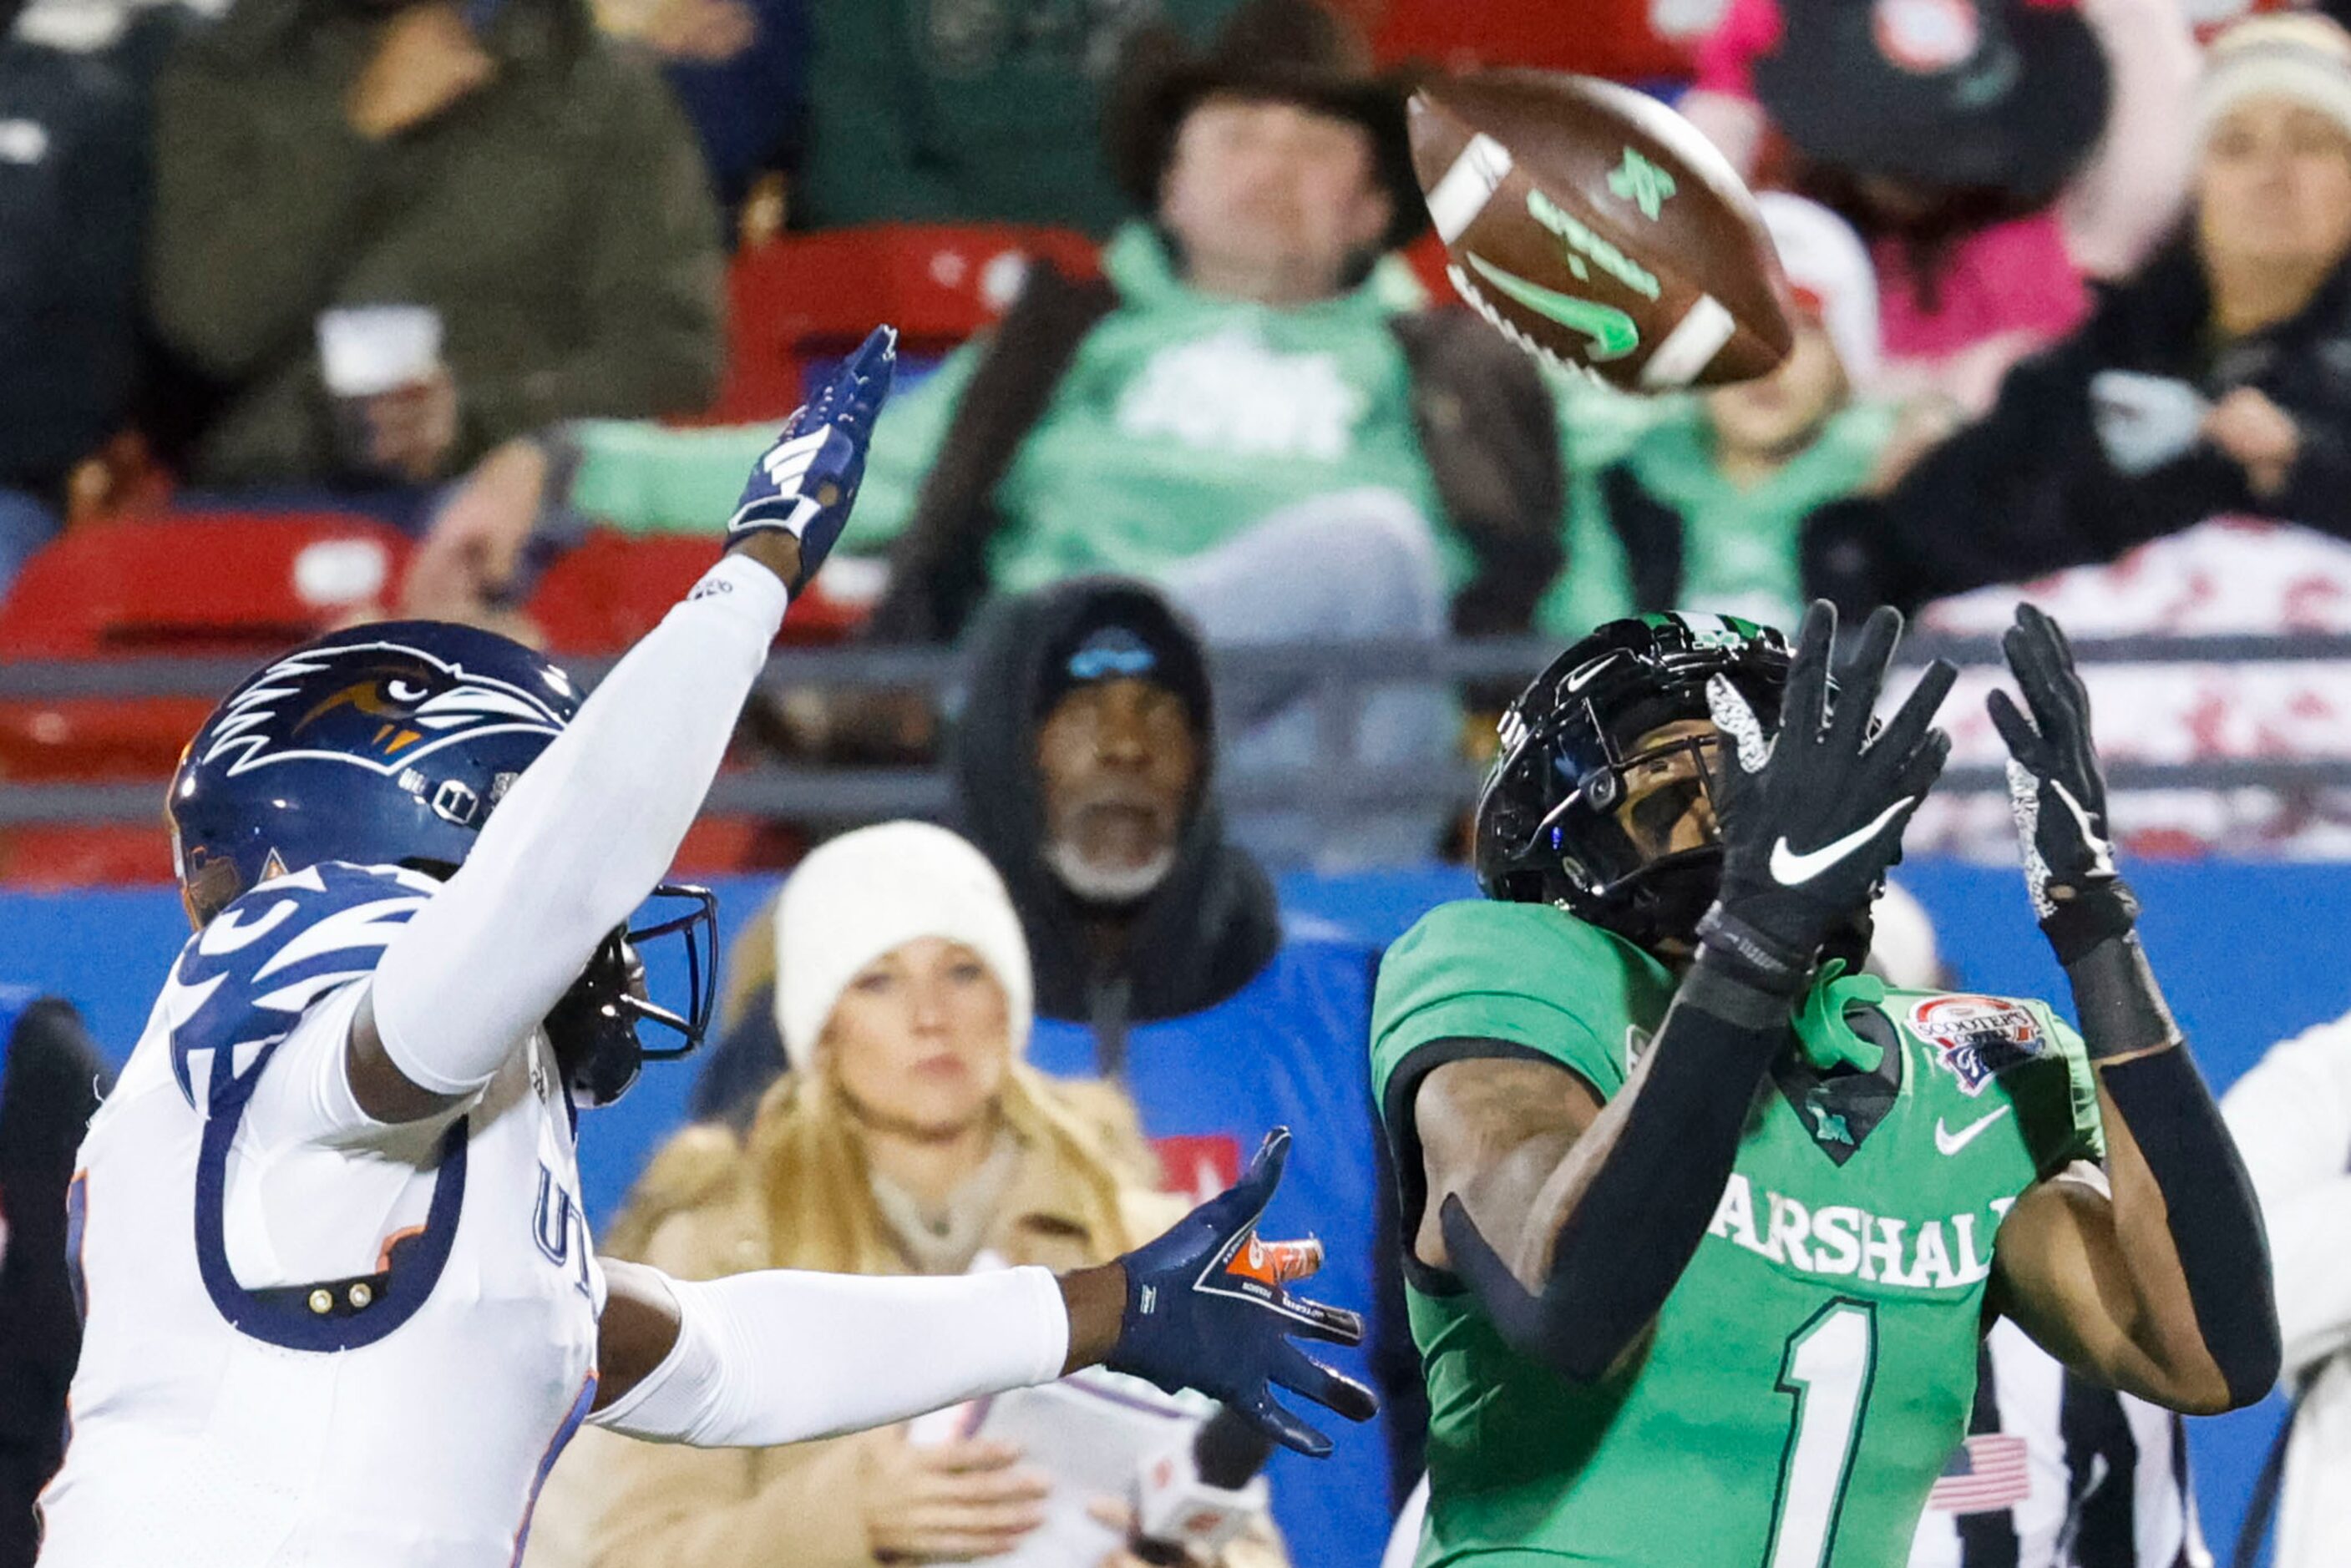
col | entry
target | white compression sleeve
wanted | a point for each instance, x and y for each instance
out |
(579, 841)
(782, 1355)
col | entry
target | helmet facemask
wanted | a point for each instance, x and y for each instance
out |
(595, 1027)
(1603, 800)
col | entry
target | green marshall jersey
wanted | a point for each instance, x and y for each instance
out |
(1814, 1365)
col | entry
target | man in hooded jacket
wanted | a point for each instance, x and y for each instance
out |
(1081, 768)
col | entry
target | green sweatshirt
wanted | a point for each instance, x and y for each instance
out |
(1181, 421)
(1739, 545)
(559, 219)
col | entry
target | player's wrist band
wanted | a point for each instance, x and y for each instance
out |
(1745, 953)
(1719, 987)
(2121, 1007)
(2094, 916)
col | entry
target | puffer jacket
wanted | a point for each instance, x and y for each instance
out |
(558, 218)
(613, 1502)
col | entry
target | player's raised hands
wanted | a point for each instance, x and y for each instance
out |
(1811, 816)
(2058, 793)
(804, 486)
(1208, 1307)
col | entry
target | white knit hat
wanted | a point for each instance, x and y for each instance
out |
(2302, 55)
(866, 892)
(1830, 274)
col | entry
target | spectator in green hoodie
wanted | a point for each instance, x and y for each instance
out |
(1707, 507)
(528, 184)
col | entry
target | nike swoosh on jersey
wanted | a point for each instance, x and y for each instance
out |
(1950, 1142)
(1613, 334)
(1791, 870)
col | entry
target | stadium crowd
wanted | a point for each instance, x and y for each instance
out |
(2072, 280)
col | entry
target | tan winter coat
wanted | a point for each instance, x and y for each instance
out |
(614, 1502)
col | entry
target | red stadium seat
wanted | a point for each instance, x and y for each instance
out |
(614, 588)
(47, 859)
(735, 846)
(196, 584)
(199, 582)
(1613, 38)
(811, 294)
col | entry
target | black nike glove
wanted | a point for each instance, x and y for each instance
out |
(2058, 794)
(1811, 817)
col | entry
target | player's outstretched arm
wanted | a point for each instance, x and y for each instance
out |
(781, 1357)
(593, 824)
(2163, 1288)
(1573, 1222)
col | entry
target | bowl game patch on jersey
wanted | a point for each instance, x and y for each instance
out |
(1977, 1037)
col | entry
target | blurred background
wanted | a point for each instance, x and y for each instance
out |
(319, 312)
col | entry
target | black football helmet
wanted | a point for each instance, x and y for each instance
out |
(1553, 826)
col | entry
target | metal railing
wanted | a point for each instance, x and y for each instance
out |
(1333, 675)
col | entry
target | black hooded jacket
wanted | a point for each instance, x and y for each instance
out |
(2029, 490)
(1204, 933)
(1210, 926)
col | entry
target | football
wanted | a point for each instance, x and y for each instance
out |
(1595, 227)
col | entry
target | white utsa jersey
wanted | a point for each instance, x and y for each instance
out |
(355, 1346)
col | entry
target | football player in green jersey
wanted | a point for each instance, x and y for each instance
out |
(1702, 1225)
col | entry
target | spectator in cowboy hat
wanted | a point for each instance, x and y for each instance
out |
(1253, 408)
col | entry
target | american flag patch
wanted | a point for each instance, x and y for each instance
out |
(1990, 1471)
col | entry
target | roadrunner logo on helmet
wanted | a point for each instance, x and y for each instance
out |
(1599, 800)
(391, 744)
(387, 706)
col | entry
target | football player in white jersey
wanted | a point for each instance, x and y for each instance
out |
(341, 1302)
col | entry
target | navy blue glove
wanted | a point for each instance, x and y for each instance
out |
(1207, 1309)
(807, 481)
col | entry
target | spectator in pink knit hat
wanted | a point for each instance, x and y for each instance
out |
(1996, 154)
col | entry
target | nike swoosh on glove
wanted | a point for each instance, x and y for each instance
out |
(1207, 1307)
(2058, 793)
(1811, 816)
(807, 481)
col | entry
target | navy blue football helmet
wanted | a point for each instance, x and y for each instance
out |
(390, 745)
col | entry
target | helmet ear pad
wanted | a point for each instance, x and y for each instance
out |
(594, 1030)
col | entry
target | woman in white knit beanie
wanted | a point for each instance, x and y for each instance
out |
(909, 1137)
(2272, 207)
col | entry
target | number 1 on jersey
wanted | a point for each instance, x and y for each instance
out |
(1827, 1367)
